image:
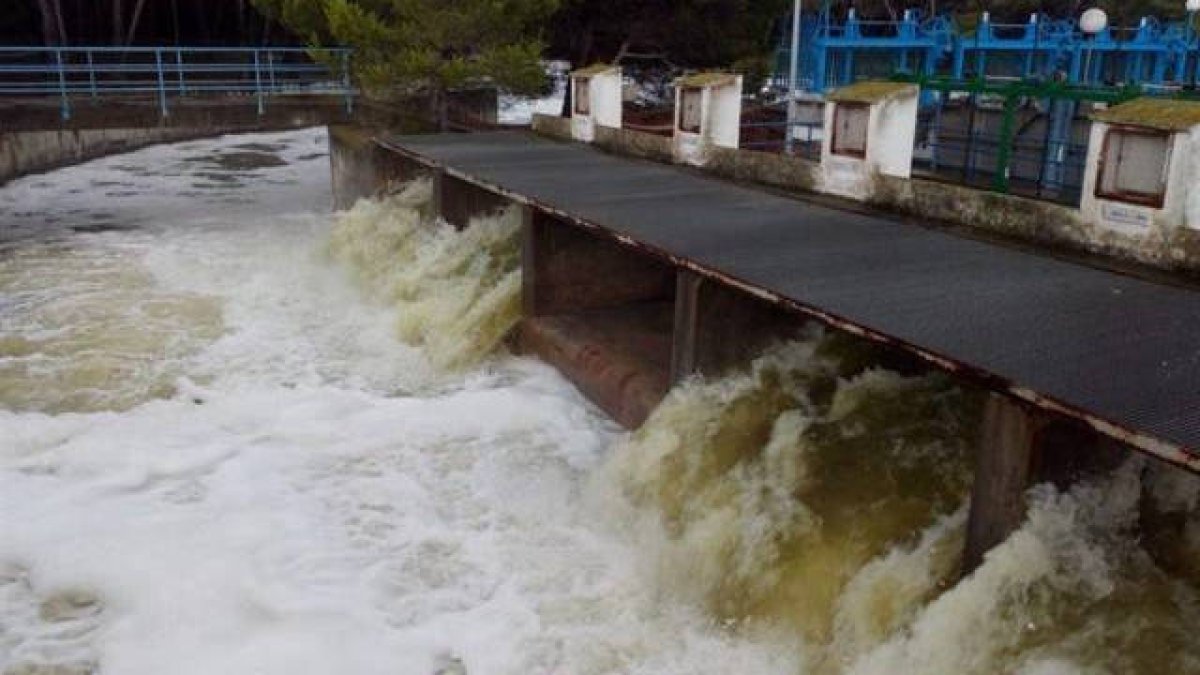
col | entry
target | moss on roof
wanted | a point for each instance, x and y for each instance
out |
(710, 79)
(594, 69)
(871, 91)
(1153, 113)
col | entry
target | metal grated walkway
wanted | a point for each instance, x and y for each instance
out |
(1120, 353)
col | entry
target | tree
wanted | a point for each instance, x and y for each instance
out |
(54, 29)
(428, 46)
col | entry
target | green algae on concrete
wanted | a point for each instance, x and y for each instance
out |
(871, 92)
(1153, 113)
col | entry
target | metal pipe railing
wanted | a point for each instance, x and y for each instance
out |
(173, 72)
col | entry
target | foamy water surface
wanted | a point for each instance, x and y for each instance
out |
(241, 434)
(260, 477)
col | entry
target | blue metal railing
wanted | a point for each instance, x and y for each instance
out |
(173, 72)
(839, 52)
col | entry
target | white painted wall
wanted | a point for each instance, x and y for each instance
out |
(1187, 147)
(720, 123)
(604, 92)
(1181, 207)
(725, 114)
(891, 134)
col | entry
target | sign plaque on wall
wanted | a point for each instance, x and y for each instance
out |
(1126, 217)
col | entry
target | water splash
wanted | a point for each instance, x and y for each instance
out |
(776, 489)
(456, 293)
(818, 498)
(1072, 591)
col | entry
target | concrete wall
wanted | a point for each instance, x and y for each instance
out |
(635, 144)
(35, 138)
(552, 126)
(27, 152)
(1136, 221)
(891, 133)
(361, 168)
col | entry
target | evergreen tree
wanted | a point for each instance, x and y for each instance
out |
(428, 46)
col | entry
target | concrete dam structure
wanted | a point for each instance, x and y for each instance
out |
(636, 276)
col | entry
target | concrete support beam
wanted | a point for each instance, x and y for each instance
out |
(567, 269)
(718, 327)
(363, 168)
(616, 357)
(1020, 448)
(598, 311)
(686, 326)
(1003, 470)
(458, 201)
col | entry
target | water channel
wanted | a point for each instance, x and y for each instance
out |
(242, 434)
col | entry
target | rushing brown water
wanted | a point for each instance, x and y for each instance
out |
(239, 434)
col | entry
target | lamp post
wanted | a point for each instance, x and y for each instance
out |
(1092, 23)
(1192, 7)
(793, 74)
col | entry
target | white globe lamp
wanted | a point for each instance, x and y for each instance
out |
(1095, 20)
(1192, 6)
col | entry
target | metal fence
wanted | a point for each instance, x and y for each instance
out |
(841, 50)
(772, 136)
(165, 73)
(1039, 152)
(1023, 137)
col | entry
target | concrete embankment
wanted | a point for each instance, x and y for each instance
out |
(27, 152)
(35, 138)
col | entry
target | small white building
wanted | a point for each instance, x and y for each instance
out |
(595, 100)
(708, 113)
(870, 128)
(1143, 166)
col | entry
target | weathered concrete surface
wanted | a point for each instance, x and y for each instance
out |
(634, 144)
(617, 357)
(1020, 447)
(552, 126)
(34, 137)
(1003, 471)
(599, 311)
(459, 201)
(1062, 227)
(27, 152)
(764, 168)
(719, 327)
(567, 269)
(1115, 352)
(361, 168)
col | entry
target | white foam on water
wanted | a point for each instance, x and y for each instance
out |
(281, 485)
(310, 495)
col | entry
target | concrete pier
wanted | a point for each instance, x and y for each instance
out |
(600, 313)
(1019, 447)
(718, 327)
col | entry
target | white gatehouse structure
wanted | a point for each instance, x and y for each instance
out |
(1142, 168)
(870, 128)
(595, 100)
(708, 113)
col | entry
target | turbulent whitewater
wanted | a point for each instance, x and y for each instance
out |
(239, 433)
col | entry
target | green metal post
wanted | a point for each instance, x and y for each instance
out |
(1004, 151)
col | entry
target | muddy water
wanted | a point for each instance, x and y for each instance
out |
(241, 434)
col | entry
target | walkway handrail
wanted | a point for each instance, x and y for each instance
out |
(172, 72)
(1152, 52)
